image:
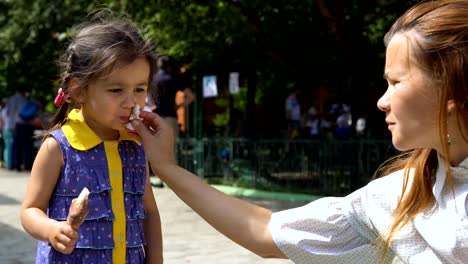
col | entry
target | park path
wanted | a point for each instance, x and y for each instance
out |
(187, 238)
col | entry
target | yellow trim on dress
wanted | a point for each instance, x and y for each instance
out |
(81, 136)
(117, 198)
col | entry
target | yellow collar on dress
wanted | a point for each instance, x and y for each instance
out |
(82, 137)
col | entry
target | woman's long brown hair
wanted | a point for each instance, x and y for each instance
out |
(439, 41)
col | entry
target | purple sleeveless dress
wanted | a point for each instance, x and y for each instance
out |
(89, 169)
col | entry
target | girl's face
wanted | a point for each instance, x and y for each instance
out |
(410, 102)
(108, 102)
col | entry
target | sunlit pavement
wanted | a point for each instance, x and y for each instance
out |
(187, 238)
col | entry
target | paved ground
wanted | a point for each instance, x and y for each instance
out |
(187, 239)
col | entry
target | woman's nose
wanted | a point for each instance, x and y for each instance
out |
(384, 102)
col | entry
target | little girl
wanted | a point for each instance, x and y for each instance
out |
(107, 71)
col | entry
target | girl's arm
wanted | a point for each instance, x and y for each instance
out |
(152, 226)
(44, 176)
(242, 222)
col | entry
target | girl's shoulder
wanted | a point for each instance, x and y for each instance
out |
(59, 136)
(50, 153)
(54, 140)
(56, 132)
(50, 143)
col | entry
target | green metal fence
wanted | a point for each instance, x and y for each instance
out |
(301, 166)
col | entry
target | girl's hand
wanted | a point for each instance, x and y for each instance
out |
(62, 237)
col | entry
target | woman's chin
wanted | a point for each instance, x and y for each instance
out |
(400, 146)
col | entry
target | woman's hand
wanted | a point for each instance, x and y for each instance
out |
(157, 138)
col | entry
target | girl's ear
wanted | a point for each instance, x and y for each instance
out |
(76, 92)
(450, 106)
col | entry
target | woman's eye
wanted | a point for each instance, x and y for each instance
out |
(115, 90)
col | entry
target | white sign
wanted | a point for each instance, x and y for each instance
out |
(234, 82)
(210, 88)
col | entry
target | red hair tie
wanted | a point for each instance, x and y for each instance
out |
(59, 98)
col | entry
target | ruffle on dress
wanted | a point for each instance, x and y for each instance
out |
(134, 206)
(134, 255)
(135, 236)
(132, 182)
(99, 205)
(98, 234)
(78, 176)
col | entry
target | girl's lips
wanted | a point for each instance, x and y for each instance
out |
(124, 119)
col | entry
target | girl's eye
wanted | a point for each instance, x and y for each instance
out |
(115, 90)
(140, 90)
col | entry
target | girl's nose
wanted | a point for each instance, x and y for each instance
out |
(130, 101)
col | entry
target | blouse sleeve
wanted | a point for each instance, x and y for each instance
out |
(328, 230)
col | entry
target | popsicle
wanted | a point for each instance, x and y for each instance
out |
(78, 209)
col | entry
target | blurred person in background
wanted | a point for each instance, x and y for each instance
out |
(10, 117)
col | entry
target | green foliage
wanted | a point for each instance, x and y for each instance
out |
(29, 46)
(272, 44)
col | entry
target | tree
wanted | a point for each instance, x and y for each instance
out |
(273, 44)
(277, 44)
(30, 44)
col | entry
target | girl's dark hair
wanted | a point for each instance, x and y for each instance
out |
(97, 47)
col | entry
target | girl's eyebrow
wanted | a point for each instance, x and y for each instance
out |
(118, 83)
(145, 83)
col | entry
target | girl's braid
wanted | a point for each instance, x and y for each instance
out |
(68, 68)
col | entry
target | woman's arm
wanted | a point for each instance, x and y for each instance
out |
(242, 222)
(152, 226)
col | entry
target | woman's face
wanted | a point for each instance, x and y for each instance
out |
(411, 101)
